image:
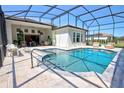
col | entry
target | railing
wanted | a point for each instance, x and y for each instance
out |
(41, 50)
(13, 72)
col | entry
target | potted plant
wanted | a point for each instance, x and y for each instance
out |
(20, 38)
(15, 42)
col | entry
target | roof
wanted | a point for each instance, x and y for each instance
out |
(71, 27)
(101, 35)
(27, 20)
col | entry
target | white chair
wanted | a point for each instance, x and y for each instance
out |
(11, 48)
(95, 44)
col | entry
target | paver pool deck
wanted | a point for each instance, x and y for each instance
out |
(42, 77)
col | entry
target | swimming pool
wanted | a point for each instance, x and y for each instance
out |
(81, 60)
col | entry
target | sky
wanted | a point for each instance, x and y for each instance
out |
(14, 9)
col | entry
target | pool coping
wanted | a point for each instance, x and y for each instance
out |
(109, 71)
(106, 76)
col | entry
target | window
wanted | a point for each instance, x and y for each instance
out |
(81, 37)
(33, 31)
(41, 33)
(18, 29)
(78, 37)
(38, 31)
(26, 30)
(74, 37)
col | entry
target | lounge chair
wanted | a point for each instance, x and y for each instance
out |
(46, 43)
(109, 46)
(95, 44)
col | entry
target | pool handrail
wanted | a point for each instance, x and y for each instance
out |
(42, 50)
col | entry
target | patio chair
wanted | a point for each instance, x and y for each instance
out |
(46, 43)
(11, 48)
(110, 46)
(95, 44)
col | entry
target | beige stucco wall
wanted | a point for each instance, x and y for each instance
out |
(64, 37)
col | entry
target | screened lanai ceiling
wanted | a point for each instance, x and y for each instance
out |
(94, 18)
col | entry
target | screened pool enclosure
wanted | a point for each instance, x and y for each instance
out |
(94, 18)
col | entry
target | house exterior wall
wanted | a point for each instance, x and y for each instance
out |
(64, 37)
(12, 26)
(70, 40)
(45, 32)
(100, 38)
(9, 31)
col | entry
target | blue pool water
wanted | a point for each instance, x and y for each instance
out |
(81, 60)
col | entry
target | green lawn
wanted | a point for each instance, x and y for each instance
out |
(120, 45)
